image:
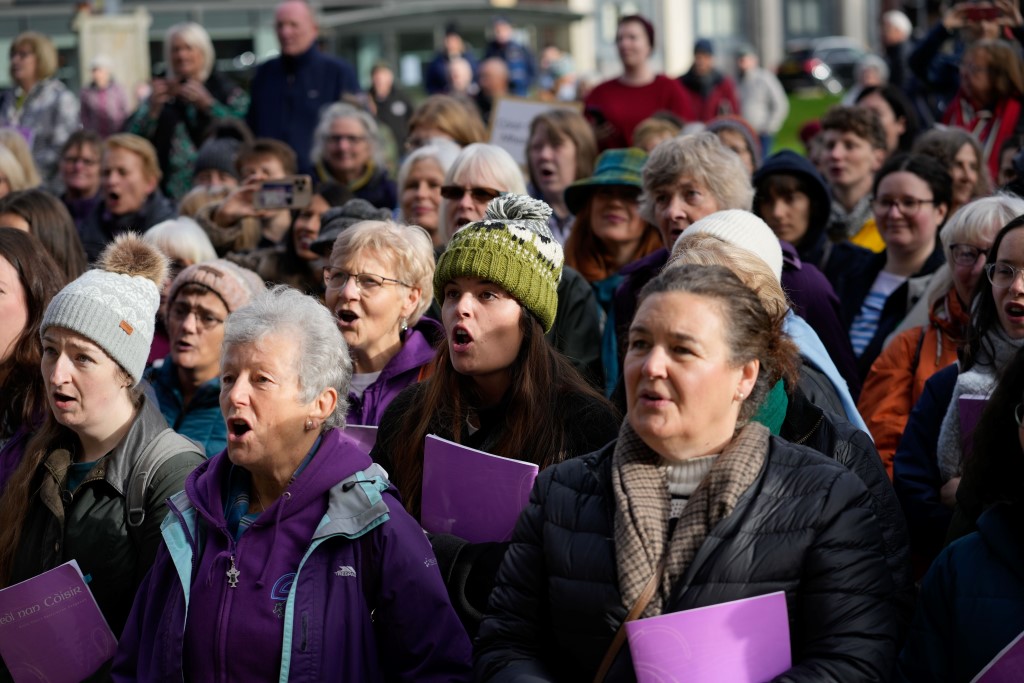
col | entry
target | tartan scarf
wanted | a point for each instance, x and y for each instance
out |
(642, 506)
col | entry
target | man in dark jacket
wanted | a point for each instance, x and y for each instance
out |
(520, 62)
(713, 92)
(289, 91)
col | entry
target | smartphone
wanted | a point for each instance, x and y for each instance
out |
(293, 192)
(976, 14)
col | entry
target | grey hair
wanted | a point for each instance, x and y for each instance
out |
(980, 220)
(440, 150)
(344, 110)
(703, 157)
(195, 36)
(482, 159)
(871, 61)
(322, 359)
(899, 21)
(181, 238)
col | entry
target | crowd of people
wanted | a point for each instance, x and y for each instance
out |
(737, 369)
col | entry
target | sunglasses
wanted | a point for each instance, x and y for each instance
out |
(479, 194)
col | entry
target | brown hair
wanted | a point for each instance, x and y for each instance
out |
(533, 431)
(861, 121)
(585, 252)
(49, 221)
(1004, 67)
(450, 115)
(566, 124)
(267, 147)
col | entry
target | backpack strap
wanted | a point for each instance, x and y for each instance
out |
(917, 352)
(162, 448)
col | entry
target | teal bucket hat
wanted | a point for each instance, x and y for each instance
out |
(620, 167)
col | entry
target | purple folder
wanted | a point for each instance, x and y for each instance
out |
(471, 494)
(744, 641)
(51, 628)
(971, 406)
(1007, 666)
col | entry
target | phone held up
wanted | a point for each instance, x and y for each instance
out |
(293, 192)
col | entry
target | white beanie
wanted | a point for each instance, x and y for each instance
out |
(744, 230)
(114, 305)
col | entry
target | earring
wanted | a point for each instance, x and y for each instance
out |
(309, 424)
(403, 324)
(740, 396)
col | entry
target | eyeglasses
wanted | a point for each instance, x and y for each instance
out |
(1002, 275)
(85, 161)
(479, 194)
(350, 139)
(366, 283)
(966, 254)
(907, 206)
(180, 312)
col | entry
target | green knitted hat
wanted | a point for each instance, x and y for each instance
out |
(512, 246)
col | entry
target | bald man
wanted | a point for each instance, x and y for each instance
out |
(289, 91)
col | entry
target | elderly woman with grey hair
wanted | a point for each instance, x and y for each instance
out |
(289, 554)
(347, 150)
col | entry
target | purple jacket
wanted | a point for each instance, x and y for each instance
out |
(335, 582)
(418, 349)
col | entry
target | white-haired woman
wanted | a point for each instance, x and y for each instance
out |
(347, 150)
(289, 555)
(379, 284)
(184, 103)
(419, 185)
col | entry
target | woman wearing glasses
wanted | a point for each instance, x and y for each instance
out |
(930, 457)
(911, 195)
(347, 150)
(926, 343)
(379, 285)
(187, 382)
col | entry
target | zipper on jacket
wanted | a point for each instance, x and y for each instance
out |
(304, 644)
(812, 430)
(221, 664)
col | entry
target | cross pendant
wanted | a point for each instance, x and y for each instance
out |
(233, 574)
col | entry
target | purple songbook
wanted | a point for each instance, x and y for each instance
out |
(744, 641)
(471, 494)
(51, 628)
(971, 406)
(364, 435)
(1007, 666)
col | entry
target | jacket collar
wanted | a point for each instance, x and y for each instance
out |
(418, 348)
(117, 465)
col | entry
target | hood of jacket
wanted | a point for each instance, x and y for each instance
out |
(418, 347)
(788, 162)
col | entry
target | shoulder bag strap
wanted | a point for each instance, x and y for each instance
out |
(634, 612)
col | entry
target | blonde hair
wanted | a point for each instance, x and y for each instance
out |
(195, 36)
(182, 239)
(751, 269)
(139, 146)
(42, 47)
(451, 116)
(17, 146)
(407, 248)
(199, 196)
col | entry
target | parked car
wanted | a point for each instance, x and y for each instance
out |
(827, 63)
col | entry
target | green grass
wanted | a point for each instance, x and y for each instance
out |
(802, 108)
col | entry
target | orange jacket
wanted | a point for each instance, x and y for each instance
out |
(898, 375)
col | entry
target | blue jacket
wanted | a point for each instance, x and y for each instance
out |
(360, 597)
(288, 94)
(201, 420)
(915, 468)
(521, 69)
(971, 603)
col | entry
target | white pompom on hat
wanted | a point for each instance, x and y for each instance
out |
(744, 230)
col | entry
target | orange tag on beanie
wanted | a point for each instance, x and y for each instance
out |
(128, 329)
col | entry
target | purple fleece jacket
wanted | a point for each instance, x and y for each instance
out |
(336, 582)
(418, 349)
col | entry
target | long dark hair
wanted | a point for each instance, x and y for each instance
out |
(901, 107)
(49, 220)
(534, 429)
(984, 316)
(23, 400)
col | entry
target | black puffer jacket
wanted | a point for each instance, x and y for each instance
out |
(806, 526)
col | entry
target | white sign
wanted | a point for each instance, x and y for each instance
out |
(511, 119)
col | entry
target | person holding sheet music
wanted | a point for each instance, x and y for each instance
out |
(288, 555)
(498, 385)
(971, 603)
(694, 504)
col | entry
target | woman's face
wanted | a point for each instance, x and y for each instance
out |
(615, 216)
(421, 195)
(84, 387)
(903, 233)
(195, 327)
(482, 324)
(469, 208)
(347, 147)
(976, 76)
(186, 60)
(1010, 300)
(369, 318)
(24, 65)
(80, 170)
(788, 214)
(965, 272)
(13, 309)
(553, 164)
(964, 171)
(735, 141)
(306, 228)
(678, 205)
(260, 398)
(894, 127)
(682, 389)
(631, 41)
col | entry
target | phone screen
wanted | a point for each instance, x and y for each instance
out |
(284, 193)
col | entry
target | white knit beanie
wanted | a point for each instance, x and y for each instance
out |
(744, 230)
(114, 305)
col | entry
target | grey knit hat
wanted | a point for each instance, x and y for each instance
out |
(217, 154)
(114, 305)
(337, 218)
